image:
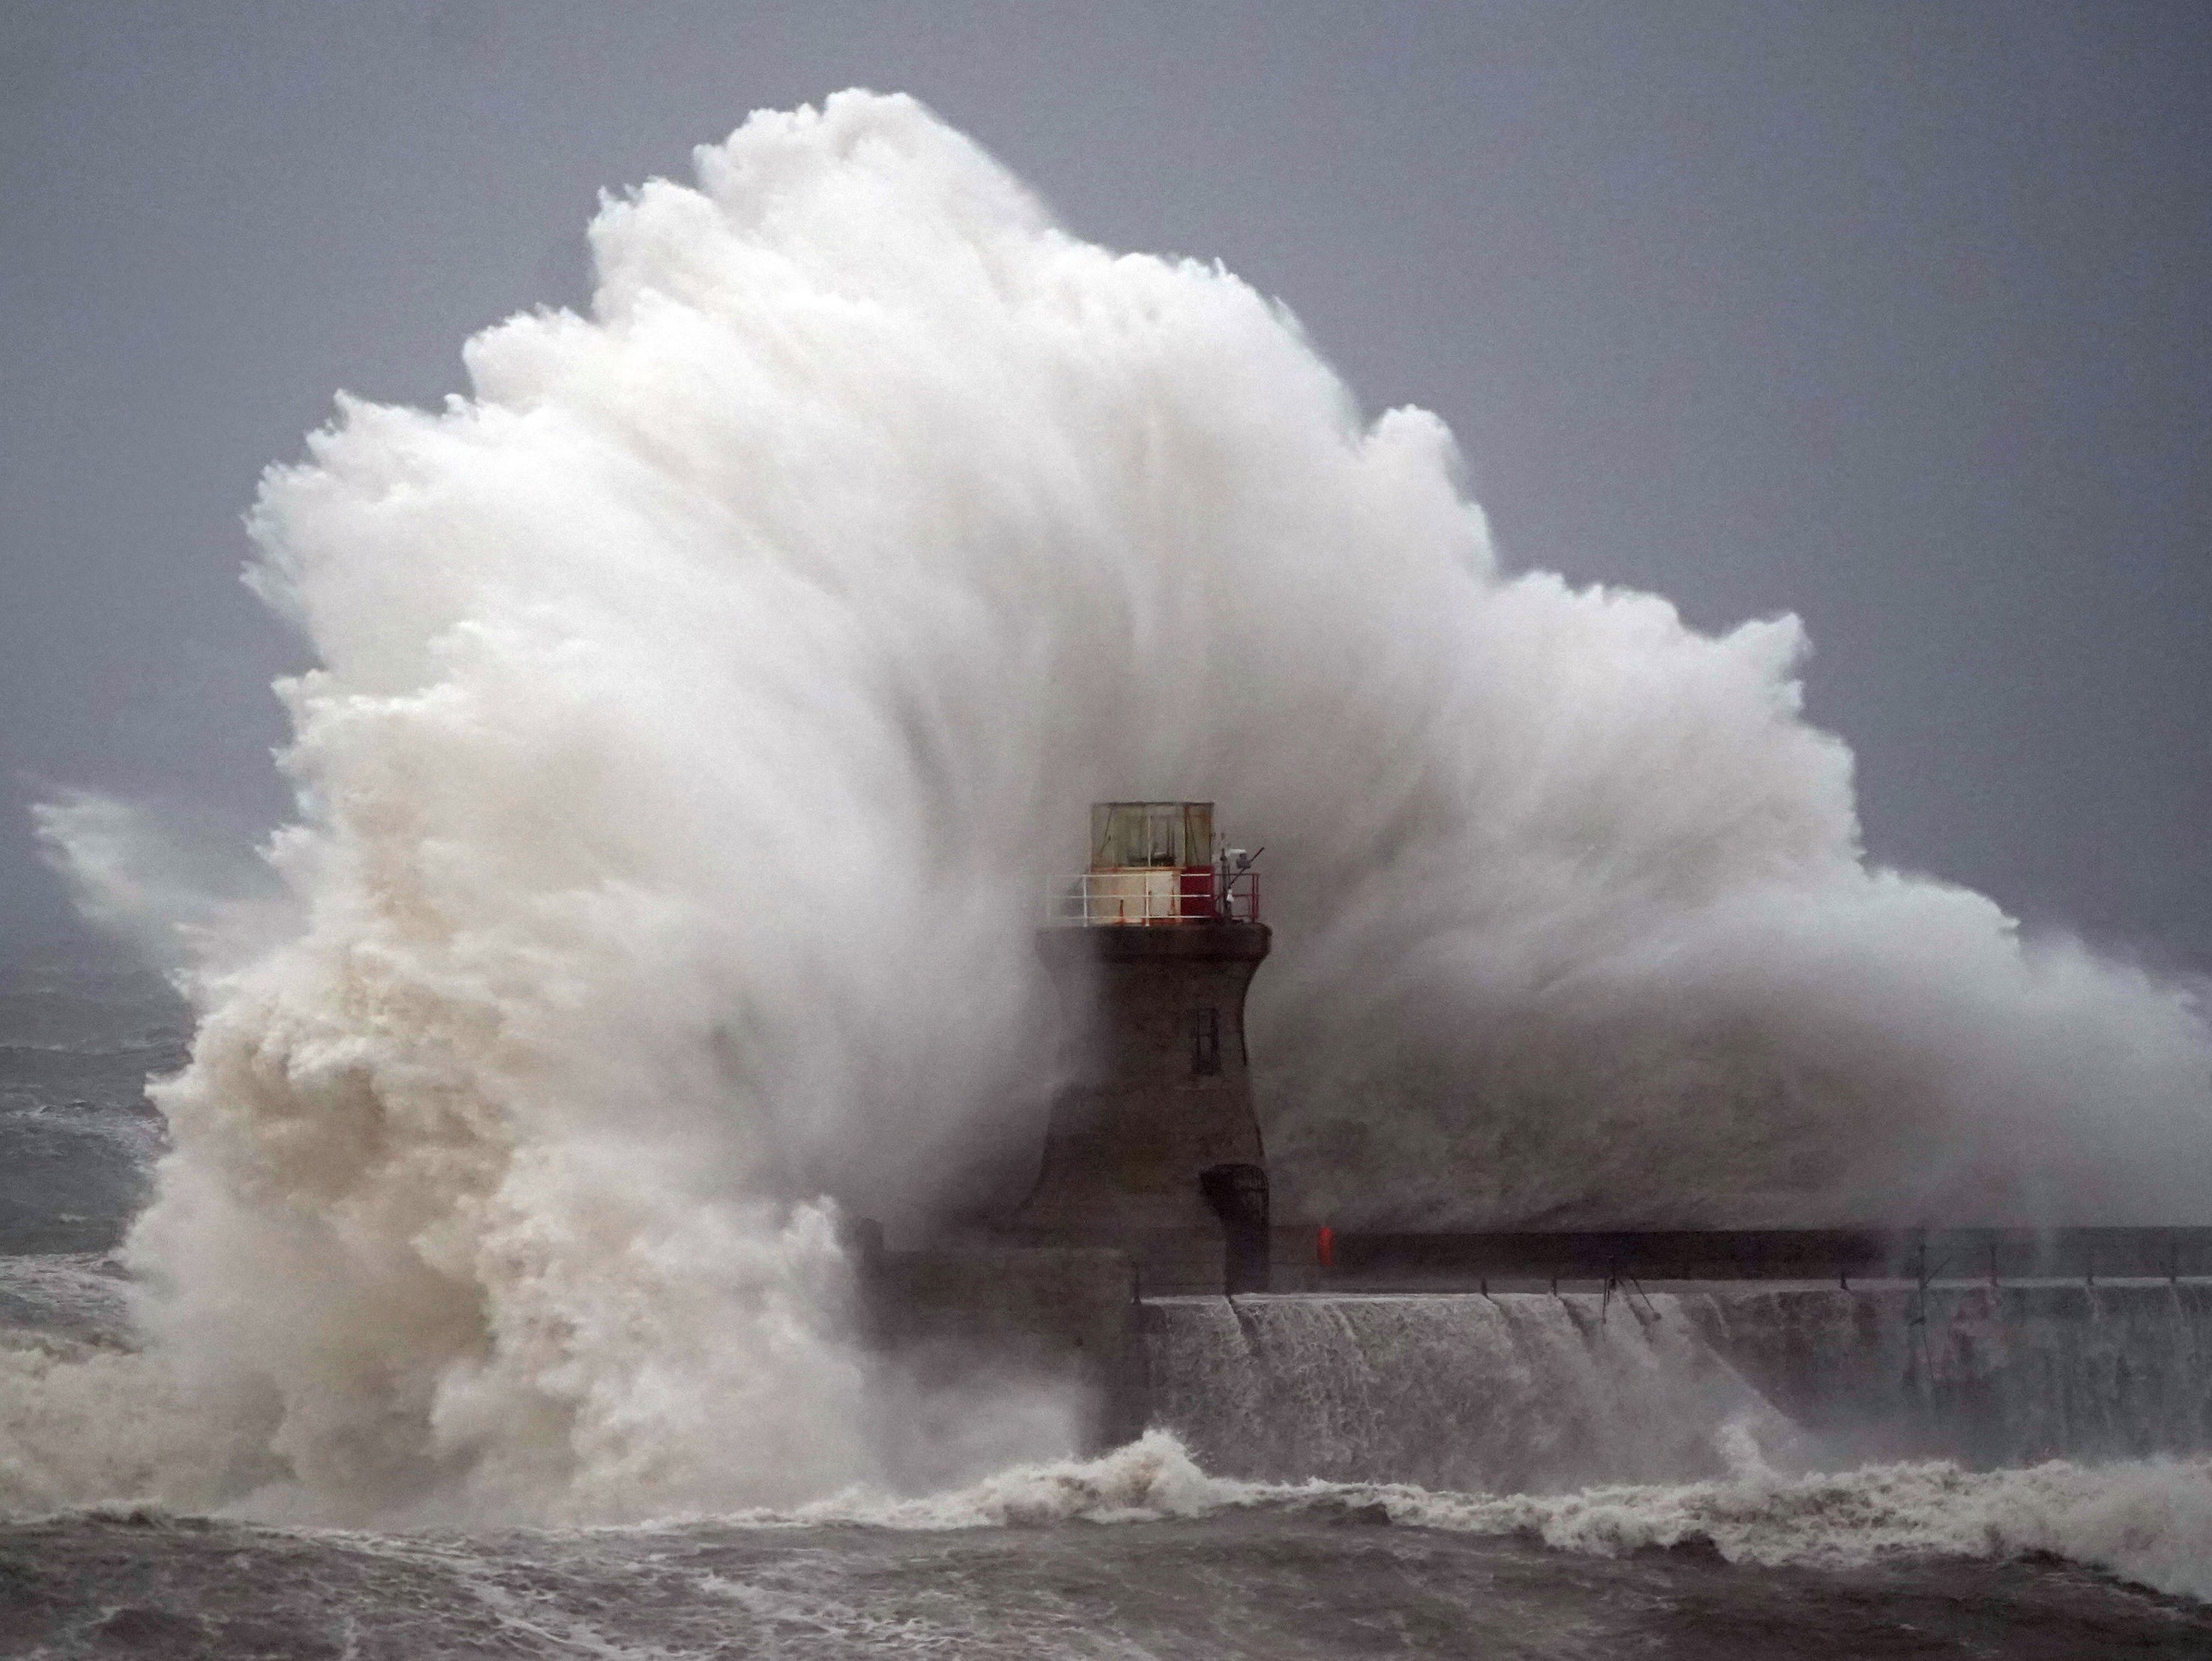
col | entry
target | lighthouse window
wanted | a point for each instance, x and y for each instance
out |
(1127, 835)
(1205, 1042)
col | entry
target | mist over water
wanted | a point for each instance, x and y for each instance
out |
(701, 703)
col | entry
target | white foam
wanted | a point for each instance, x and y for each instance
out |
(2149, 1521)
(83, 1423)
(2146, 1521)
(1144, 1480)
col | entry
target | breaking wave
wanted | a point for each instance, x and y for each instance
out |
(2147, 1521)
(699, 704)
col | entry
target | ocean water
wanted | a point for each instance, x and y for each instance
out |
(81, 1028)
(1143, 1553)
(1298, 1578)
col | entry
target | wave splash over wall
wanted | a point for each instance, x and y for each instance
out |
(1527, 1393)
(700, 703)
(1514, 1394)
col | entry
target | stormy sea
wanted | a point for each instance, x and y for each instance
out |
(1139, 1554)
(698, 709)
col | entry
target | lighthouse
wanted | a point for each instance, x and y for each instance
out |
(1153, 1146)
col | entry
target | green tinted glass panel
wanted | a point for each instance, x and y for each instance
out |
(1124, 833)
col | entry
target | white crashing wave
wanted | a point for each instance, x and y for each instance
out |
(2147, 1521)
(700, 702)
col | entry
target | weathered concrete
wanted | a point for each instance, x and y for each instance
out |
(1518, 1389)
(1163, 1094)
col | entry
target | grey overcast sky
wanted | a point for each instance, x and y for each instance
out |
(1892, 315)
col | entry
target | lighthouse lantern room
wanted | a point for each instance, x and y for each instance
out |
(1157, 862)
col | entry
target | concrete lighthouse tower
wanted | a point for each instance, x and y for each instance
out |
(1153, 1148)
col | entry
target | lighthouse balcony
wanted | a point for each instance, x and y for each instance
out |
(1153, 894)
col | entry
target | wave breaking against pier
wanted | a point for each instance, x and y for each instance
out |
(700, 706)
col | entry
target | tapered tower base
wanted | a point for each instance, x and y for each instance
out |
(1164, 1097)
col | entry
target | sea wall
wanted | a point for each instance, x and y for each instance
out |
(1987, 1374)
(1539, 1391)
(1440, 1389)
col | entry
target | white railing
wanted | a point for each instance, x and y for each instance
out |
(1165, 894)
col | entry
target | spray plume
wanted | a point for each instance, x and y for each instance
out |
(702, 701)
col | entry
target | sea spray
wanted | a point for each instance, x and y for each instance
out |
(1510, 1394)
(1539, 1392)
(698, 705)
